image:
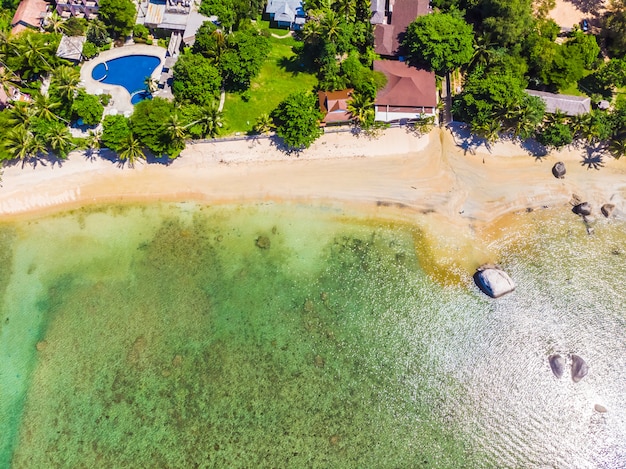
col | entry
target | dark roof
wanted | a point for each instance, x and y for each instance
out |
(406, 86)
(334, 105)
(570, 105)
(387, 37)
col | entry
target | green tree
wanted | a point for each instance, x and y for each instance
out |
(65, 83)
(614, 27)
(97, 33)
(21, 143)
(208, 120)
(59, 139)
(263, 124)
(210, 42)
(442, 41)
(147, 124)
(196, 80)
(246, 52)
(130, 150)
(507, 21)
(555, 135)
(115, 132)
(45, 108)
(118, 16)
(88, 108)
(297, 119)
(361, 107)
(617, 145)
(75, 26)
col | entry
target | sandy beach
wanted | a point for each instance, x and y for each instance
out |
(397, 173)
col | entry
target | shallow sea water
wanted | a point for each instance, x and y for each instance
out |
(164, 336)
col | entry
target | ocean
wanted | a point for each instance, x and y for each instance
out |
(287, 335)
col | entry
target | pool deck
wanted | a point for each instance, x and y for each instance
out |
(120, 102)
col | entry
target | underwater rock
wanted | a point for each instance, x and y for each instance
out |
(558, 170)
(41, 345)
(599, 408)
(263, 242)
(607, 209)
(579, 368)
(493, 281)
(582, 209)
(557, 364)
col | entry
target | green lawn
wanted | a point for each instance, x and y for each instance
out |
(280, 76)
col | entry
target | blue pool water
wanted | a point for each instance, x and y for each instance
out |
(129, 72)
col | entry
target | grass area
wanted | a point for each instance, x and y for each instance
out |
(280, 76)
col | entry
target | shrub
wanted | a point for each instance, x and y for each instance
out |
(89, 50)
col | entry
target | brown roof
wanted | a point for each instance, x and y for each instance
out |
(29, 13)
(334, 105)
(406, 86)
(387, 37)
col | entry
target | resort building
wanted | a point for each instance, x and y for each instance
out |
(334, 106)
(87, 9)
(391, 19)
(410, 93)
(29, 14)
(567, 104)
(286, 13)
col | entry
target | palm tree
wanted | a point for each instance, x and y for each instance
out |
(151, 84)
(175, 130)
(97, 32)
(263, 124)
(60, 140)
(35, 51)
(554, 118)
(361, 107)
(131, 150)
(44, 107)
(483, 51)
(66, 80)
(22, 144)
(55, 23)
(330, 26)
(489, 130)
(617, 145)
(582, 126)
(21, 114)
(345, 8)
(210, 120)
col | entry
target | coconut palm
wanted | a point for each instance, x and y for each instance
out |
(582, 126)
(361, 107)
(55, 23)
(66, 80)
(263, 124)
(131, 150)
(330, 25)
(21, 114)
(60, 140)
(489, 130)
(35, 52)
(210, 120)
(97, 32)
(617, 145)
(44, 107)
(345, 8)
(22, 144)
(151, 84)
(175, 130)
(483, 51)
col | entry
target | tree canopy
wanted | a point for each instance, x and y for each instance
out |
(442, 41)
(118, 16)
(88, 108)
(297, 120)
(196, 79)
(246, 51)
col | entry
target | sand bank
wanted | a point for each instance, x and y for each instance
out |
(431, 174)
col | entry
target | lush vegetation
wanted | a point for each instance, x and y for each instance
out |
(297, 120)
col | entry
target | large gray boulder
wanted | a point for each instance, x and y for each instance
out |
(583, 209)
(558, 170)
(579, 368)
(493, 281)
(557, 364)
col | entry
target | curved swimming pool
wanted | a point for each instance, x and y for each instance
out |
(129, 71)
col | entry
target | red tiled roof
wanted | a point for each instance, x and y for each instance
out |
(334, 105)
(406, 86)
(29, 13)
(387, 37)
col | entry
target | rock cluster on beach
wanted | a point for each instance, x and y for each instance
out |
(558, 170)
(579, 367)
(493, 281)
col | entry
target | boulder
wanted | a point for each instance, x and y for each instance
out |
(607, 209)
(599, 408)
(557, 364)
(263, 242)
(582, 209)
(493, 281)
(579, 368)
(558, 170)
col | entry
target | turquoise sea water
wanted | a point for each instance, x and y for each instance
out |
(178, 335)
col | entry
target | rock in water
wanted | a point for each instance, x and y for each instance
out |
(599, 408)
(607, 209)
(583, 209)
(557, 364)
(493, 281)
(558, 170)
(579, 368)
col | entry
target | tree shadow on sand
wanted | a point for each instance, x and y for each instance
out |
(466, 140)
(594, 158)
(586, 6)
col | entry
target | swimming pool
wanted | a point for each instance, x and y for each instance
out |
(130, 72)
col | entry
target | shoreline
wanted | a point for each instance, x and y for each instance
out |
(397, 172)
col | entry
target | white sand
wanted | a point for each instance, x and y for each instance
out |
(428, 174)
